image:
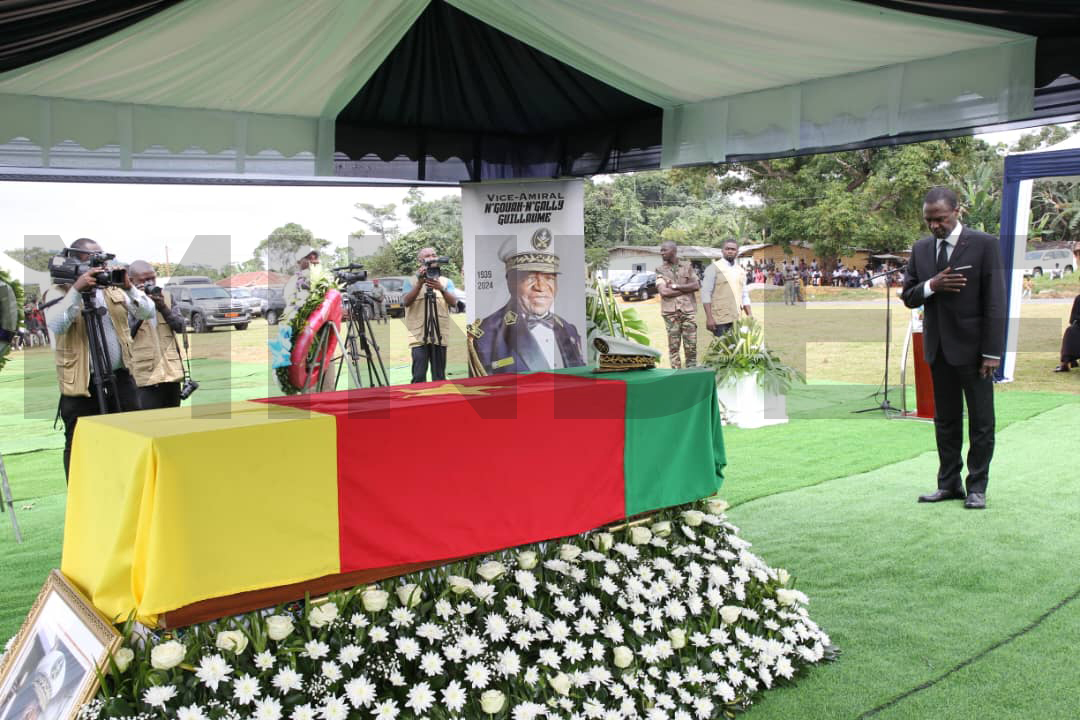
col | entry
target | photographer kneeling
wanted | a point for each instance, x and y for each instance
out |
(155, 353)
(83, 284)
(427, 316)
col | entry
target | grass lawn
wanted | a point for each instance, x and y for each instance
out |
(940, 612)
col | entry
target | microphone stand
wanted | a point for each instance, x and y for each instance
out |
(884, 406)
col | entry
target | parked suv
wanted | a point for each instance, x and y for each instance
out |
(206, 307)
(1055, 262)
(248, 298)
(640, 285)
(394, 288)
(273, 302)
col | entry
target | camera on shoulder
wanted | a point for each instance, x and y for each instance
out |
(67, 267)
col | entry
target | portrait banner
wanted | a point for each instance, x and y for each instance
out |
(524, 248)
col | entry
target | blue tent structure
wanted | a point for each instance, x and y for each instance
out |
(1020, 170)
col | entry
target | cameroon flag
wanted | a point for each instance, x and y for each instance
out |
(199, 503)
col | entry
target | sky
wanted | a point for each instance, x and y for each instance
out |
(138, 222)
(144, 222)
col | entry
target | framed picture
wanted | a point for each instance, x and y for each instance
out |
(50, 670)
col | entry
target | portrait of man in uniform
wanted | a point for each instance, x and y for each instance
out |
(525, 333)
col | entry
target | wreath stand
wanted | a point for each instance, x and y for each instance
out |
(5, 499)
(310, 383)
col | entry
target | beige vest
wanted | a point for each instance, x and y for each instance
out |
(727, 293)
(414, 316)
(154, 355)
(73, 347)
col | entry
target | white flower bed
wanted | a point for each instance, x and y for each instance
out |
(673, 618)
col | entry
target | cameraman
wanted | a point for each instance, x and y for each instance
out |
(67, 331)
(155, 353)
(430, 349)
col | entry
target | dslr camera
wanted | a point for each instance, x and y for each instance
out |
(431, 267)
(188, 388)
(66, 268)
(152, 290)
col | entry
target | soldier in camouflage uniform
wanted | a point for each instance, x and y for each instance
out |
(678, 285)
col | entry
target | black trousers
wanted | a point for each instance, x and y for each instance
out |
(422, 356)
(162, 395)
(955, 385)
(72, 408)
(722, 328)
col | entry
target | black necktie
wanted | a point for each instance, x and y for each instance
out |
(547, 321)
(943, 256)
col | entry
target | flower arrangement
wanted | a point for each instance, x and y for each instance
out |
(321, 282)
(742, 351)
(668, 617)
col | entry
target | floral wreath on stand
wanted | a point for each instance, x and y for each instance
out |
(283, 353)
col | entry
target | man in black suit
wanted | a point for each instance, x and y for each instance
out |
(956, 274)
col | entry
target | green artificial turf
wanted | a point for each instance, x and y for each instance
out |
(908, 590)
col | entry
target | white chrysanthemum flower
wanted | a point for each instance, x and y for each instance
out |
(331, 671)
(246, 689)
(656, 618)
(496, 627)
(212, 671)
(465, 608)
(484, 592)
(444, 609)
(514, 607)
(574, 651)
(527, 711)
(287, 680)
(264, 660)
(592, 709)
(316, 650)
(350, 654)
(507, 663)
(453, 652)
(397, 679)
(735, 676)
(377, 634)
(431, 632)
(534, 619)
(613, 631)
(608, 585)
(784, 668)
(303, 712)
(638, 626)
(565, 606)
(432, 664)
(472, 644)
(585, 625)
(649, 653)
(386, 710)
(699, 639)
(453, 696)
(420, 698)
(360, 691)
(268, 709)
(477, 675)
(522, 638)
(597, 651)
(158, 695)
(408, 648)
(190, 712)
(559, 631)
(675, 610)
(359, 620)
(401, 617)
(550, 657)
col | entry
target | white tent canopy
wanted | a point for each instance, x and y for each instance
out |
(242, 78)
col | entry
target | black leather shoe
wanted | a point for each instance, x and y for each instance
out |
(975, 501)
(939, 495)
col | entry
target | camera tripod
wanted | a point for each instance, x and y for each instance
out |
(360, 340)
(101, 372)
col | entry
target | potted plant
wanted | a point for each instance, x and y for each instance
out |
(751, 381)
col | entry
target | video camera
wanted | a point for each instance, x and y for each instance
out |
(431, 267)
(152, 290)
(66, 268)
(350, 274)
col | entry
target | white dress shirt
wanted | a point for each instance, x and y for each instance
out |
(950, 245)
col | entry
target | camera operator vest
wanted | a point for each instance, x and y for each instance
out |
(414, 316)
(154, 355)
(727, 293)
(73, 348)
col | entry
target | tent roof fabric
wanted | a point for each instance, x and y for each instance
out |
(470, 89)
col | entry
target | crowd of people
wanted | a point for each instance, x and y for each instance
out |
(810, 274)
